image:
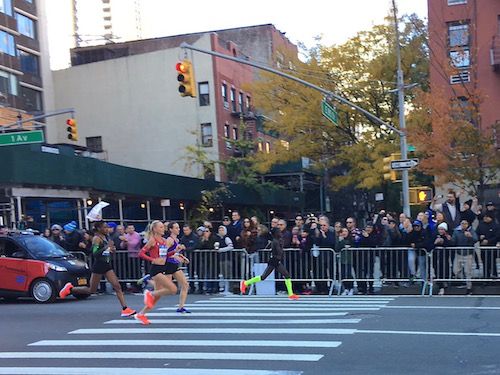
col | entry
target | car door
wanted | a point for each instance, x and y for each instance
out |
(13, 270)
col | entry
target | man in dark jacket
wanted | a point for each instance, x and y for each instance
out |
(235, 228)
(464, 236)
(419, 240)
(488, 233)
(73, 239)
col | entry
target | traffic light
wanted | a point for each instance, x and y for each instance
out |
(390, 174)
(185, 77)
(420, 195)
(72, 129)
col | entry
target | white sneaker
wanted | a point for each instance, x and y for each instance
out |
(351, 292)
(345, 292)
(441, 292)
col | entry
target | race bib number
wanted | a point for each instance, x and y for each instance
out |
(106, 252)
(163, 251)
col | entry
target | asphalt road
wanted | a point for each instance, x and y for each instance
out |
(249, 335)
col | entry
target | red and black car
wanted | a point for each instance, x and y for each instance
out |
(32, 266)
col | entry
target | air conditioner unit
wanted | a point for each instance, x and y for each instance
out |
(462, 77)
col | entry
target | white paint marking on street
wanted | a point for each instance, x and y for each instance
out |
(295, 357)
(239, 321)
(135, 371)
(265, 306)
(446, 307)
(149, 330)
(242, 314)
(210, 343)
(430, 333)
(286, 302)
(312, 297)
(196, 308)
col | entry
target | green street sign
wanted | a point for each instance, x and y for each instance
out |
(329, 112)
(21, 138)
(411, 148)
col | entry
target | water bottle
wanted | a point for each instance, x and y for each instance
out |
(196, 283)
(221, 283)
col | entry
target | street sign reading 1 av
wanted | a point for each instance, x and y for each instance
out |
(21, 138)
(404, 164)
(329, 112)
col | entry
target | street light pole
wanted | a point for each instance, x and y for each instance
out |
(402, 123)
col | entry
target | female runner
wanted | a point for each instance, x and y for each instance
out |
(173, 262)
(273, 264)
(102, 247)
(157, 249)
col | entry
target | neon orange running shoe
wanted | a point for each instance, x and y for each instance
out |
(127, 312)
(142, 318)
(149, 300)
(65, 291)
(293, 297)
(243, 287)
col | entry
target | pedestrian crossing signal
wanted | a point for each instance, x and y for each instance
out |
(72, 129)
(185, 77)
(420, 195)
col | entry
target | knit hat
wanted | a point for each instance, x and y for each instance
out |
(201, 229)
(468, 203)
(55, 226)
(112, 224)
(443, 226)
(70, 227)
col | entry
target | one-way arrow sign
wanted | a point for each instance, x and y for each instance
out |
(404, 164)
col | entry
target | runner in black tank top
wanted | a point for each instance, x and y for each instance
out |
(101, 250)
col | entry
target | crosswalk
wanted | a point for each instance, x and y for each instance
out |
(266, 332)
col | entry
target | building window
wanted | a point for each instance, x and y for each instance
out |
(226, 130)
(461, 58)
(260, 146)
(32, 99)
(235, 134)
(94, 144)
(6, 7)
(204, 94)
(224, 95)
(458, 34)
(7, 44)
(248, 103)
(29, 63)
(206, 135)
(209, 171)
(240, 102)
(268, 147)
(462, 77)
(25, 25)
(233, 100)
(456, 2)
(8, 83)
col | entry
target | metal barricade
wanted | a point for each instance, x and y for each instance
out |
(216, 269)
(80, 255)
(369, 268)
(316, 267)
(464, 265)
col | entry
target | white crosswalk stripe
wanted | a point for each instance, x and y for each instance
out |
(313, 322)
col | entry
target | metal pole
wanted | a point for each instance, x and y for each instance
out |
(329, 94)
(18, 123)
(402, 123)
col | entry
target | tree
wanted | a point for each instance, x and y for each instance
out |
(455, 148)
(362, 70)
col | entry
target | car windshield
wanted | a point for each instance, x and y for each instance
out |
(42, 248)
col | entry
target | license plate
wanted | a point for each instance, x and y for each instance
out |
(82, 281)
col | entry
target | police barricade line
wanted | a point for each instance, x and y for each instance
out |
(464, 265)
(367, 268)
(80, 255)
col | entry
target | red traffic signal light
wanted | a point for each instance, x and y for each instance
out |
(185, 77)
(72, 129)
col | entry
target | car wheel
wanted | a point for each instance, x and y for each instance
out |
(43, 291)
(82, 296)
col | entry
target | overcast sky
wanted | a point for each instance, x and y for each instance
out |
(334, 20)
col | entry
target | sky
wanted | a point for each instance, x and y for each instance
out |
(334, 20)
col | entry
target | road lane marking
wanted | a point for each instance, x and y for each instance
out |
(185, 320)
(264, 304)
(276, 308)
(149, 330)
(295, 357)
(241, 314)
(431, 333)
(445, 307)
(135, 371)
(231, 343)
